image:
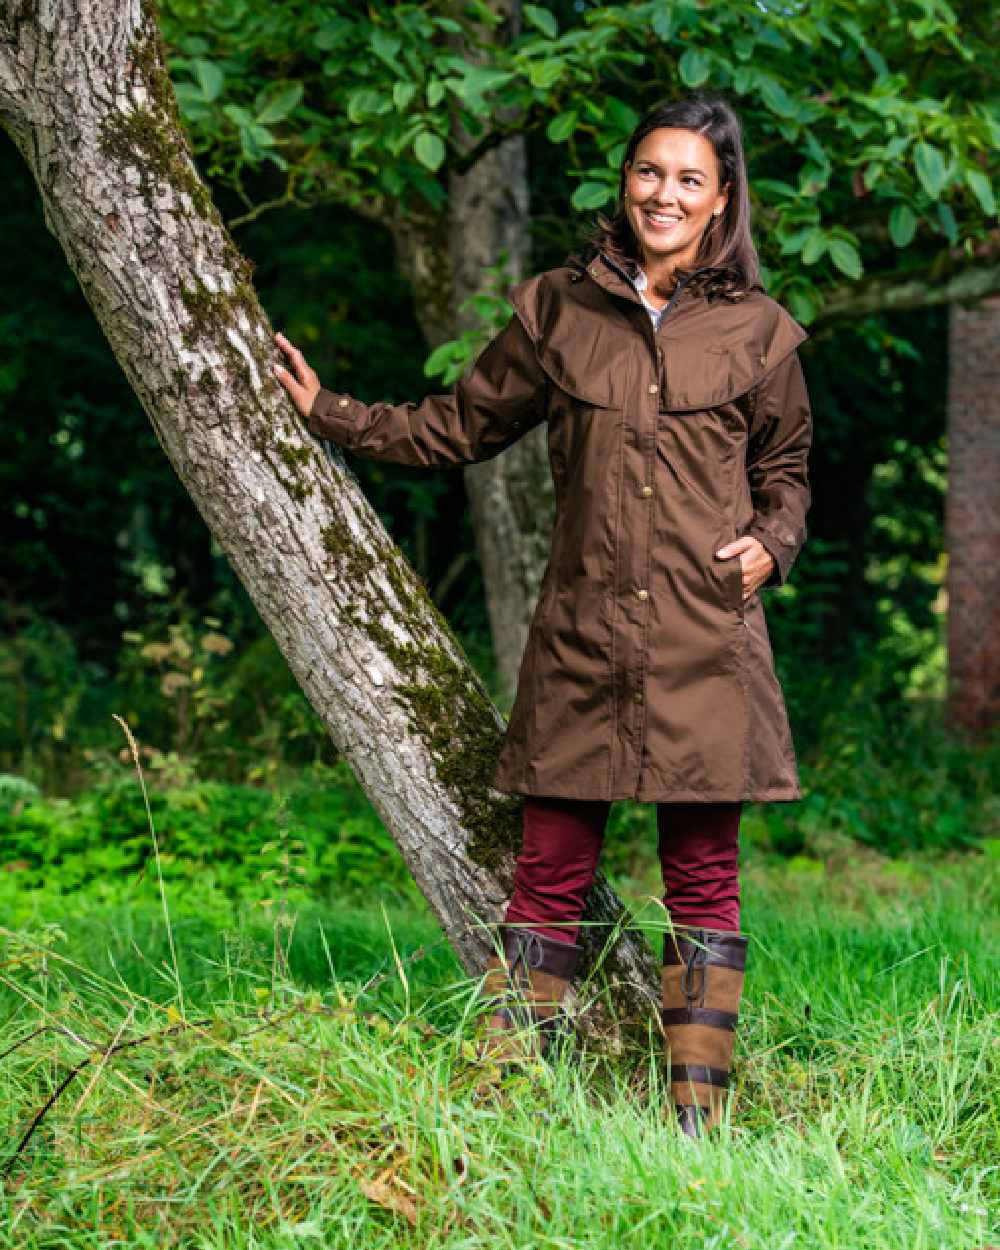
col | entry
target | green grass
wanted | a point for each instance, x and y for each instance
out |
(317, 1087)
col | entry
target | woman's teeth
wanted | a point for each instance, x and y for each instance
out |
(664, 221)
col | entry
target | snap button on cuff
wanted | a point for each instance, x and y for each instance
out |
(342, 403)
(642, 594)
(647, 491)
(653, 388)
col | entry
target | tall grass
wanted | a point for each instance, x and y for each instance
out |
(334, 1107)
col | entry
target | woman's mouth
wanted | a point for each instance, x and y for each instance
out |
(661, 221)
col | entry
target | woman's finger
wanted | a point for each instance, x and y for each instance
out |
(295, 359)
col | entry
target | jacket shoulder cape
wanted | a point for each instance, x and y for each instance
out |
(717, 351)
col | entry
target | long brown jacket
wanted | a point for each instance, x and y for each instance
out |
(645, 675)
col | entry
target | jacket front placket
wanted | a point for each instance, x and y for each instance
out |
(633, 597)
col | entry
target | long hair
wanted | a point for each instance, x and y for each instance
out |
(726, 244)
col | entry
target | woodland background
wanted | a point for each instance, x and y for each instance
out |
(284, 893)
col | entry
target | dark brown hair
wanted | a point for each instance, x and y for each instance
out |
(726, 245)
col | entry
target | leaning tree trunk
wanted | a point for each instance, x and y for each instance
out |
(85, 97)
(972, 516)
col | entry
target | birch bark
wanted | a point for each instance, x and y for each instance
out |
(86, 99)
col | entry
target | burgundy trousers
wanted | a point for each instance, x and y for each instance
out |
(698, 851)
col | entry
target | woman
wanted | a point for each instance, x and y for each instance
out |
(678, 428)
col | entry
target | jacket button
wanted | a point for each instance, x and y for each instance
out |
(763, 360)
(653, 388)
(343, 402)
(642, 594)
(638, 696)
(647, 491)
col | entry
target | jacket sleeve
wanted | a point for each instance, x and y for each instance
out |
(498, 400)
(777, 465)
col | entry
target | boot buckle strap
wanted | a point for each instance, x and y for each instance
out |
(700, 1073)
(700, 1015)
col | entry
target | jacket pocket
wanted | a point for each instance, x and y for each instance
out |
(734, 587)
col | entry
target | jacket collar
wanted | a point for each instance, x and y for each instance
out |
(607, 273)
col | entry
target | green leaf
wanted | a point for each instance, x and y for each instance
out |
(209, 77)
(562, 126)
(591, 195)
(403, 93)
(441, 357)
(744, 79)
(663, 23)
(544, 74)
(814, 248)
(435, 92)
(622, 117)
(775, 189)
(694, 67)
(982, 188)
(475, 81)
(542, 20)
(743, 46)
(776, 97)
(902, 225)
(429, 149)
(385, 46)
(930, 168)
(238, 116)
(803, 304)
(846, 257)
(948, 223)
(191, 102)
(793, 243)
(274, 105)
(333, 33)
(876, 61)
(367, 103)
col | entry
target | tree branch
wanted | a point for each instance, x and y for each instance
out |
(925, 288)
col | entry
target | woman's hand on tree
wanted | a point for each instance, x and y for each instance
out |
(757, 566)
(301, 382)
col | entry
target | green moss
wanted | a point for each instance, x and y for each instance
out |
(208, 382)
(152, 138)
(445, 704)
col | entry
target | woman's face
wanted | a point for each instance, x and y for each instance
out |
(674, 175)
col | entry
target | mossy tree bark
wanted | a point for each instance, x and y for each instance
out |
(85, 97)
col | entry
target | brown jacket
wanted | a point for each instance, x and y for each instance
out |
(645, 675)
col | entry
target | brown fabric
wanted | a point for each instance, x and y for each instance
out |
(699, 981)
(645, 675)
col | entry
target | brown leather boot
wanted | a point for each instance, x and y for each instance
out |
(702, 984)
(528, 983)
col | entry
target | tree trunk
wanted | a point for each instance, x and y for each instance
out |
(972, 517)
(511, 497)
(85, 97)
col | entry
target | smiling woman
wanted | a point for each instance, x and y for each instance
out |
(678, 427)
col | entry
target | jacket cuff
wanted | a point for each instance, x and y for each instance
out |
(783, 552)
(334, 416)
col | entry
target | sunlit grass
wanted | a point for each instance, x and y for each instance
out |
(337, 1105)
